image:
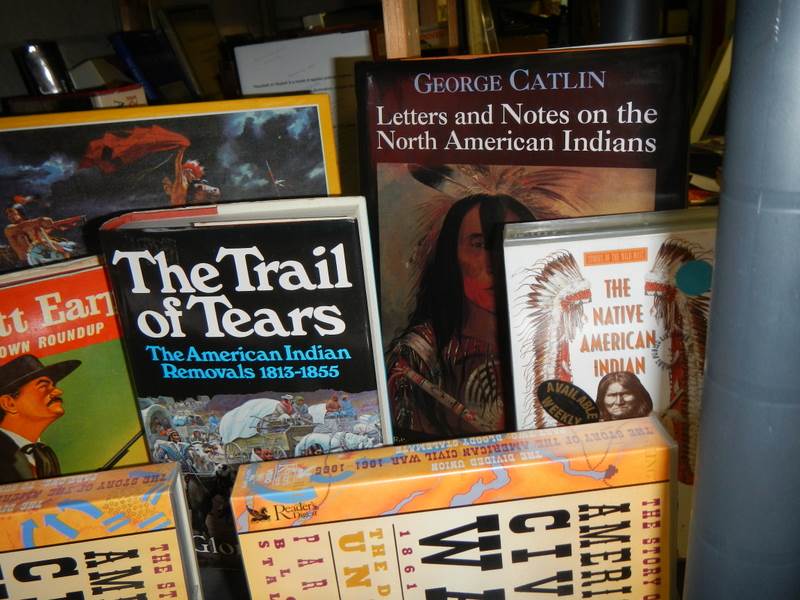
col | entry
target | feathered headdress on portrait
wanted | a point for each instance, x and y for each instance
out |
(684, 315)
(548, 192)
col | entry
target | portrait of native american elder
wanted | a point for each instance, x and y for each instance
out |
(621, 395)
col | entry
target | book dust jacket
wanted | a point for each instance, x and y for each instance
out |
(608, 319)
(249, 338)
(58, 322)
(63, 174)
(454, 147)
(572, 512)
(118, 535)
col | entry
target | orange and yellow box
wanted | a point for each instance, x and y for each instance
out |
(113, 534)
(569, 512)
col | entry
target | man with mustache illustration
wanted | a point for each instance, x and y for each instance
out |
(29, 403)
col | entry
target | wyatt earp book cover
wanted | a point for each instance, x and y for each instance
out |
(62, 174)
(452, 148)
(63, 376)
(251, 333)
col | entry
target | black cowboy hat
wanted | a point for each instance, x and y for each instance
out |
(27, 367)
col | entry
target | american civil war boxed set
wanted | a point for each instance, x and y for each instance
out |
(453, 147)
(119, 534)
(578, 512)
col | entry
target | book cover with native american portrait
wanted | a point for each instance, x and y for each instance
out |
(571, 512)
(59, 336)
(608, 319)
(62, 174)
(251, 331)
(454, 147)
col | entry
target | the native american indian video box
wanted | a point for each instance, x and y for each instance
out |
(115, 535)
(572, 512)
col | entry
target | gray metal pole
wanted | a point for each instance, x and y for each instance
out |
(745, 534)
(628, 20)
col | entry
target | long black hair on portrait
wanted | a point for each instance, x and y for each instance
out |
(440, 296)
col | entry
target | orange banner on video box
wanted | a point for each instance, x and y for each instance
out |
(614, 257)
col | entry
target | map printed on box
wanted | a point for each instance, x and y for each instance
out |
(571, 512)
(114, 534)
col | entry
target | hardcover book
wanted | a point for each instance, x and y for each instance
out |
(62, 174)
(119, 534)
(60, 346)
(608, 318)
(251, 332)
(573, 512)
(451, 148)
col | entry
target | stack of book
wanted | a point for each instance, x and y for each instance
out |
(349, 384)
(67, 173)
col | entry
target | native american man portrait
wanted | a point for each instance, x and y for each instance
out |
(444, 361)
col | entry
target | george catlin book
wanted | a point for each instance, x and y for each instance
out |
(608, 318)
(573, 512)
(118, 534)
(453, 147)
(61, 175)
(59, 336)
(251, 332)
